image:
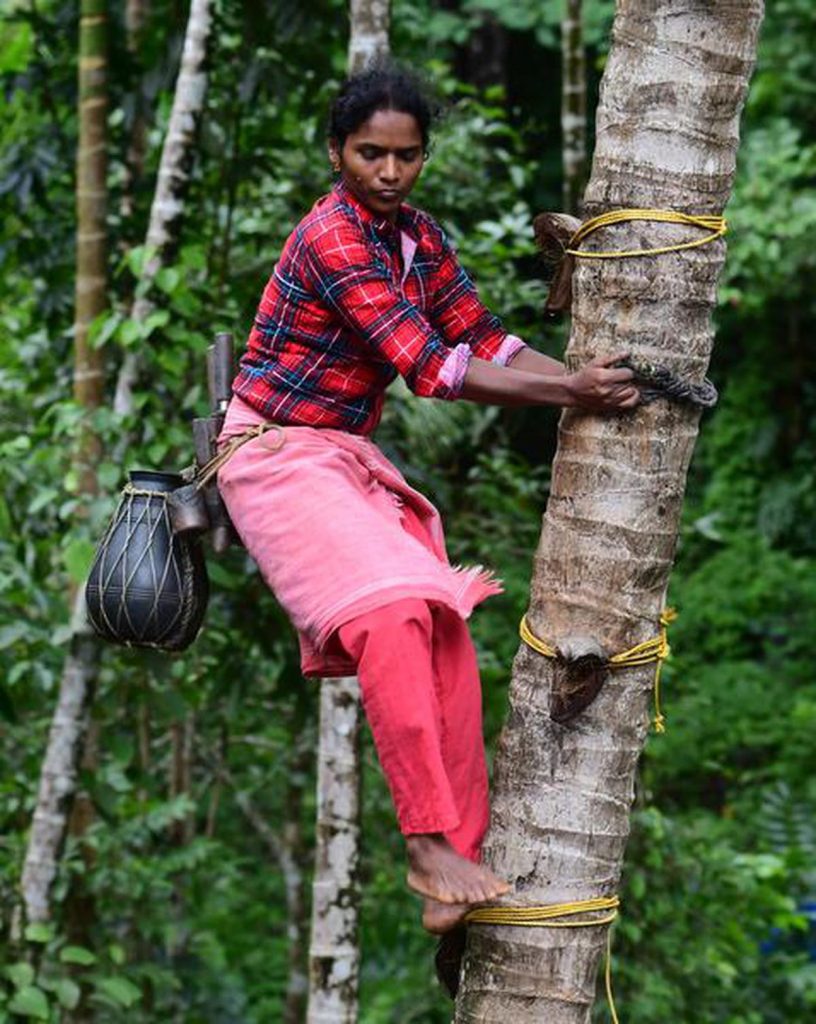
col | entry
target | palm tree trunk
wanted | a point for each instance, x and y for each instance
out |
(667, 135)
(334, 954)
(174, 174)
(573, 105)
(59, 771)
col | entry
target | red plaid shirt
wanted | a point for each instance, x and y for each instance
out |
(353, 301)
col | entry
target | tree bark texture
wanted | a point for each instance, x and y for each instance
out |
(136, 15)
(79, 906)
(174, 174)
(136, 18)
(667, 136)
(58, 778)
(180, 780)
(91, 296)
(573, 105)
(368, 38)
(334, 955)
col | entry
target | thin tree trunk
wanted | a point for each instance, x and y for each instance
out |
(58, 776)
(181, 832)
(79, 908)
(484, 56)
(59, 771)
(573, 105)
(174, 174)
(667, 134)
(368, 39)
(143, 741)
(182, 734)
(136, 15)
(334, 953)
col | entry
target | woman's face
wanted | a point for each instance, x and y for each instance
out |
(381, 161)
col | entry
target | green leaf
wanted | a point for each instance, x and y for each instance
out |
(103, 328)
(77, 955)
(120, 990)
(10, 634)
(158, 318)
(62, 634)
(77, 558)
(44, 497)
(16, 46)
(68, 993)
(20, 974)
(117, 954)
(168, 279)
(39, 932)
(30, 1002)
(130, 332)
(136, 259)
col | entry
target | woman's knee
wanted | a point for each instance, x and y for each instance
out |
(389, 628)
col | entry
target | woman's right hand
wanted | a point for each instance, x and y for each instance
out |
(600, 386)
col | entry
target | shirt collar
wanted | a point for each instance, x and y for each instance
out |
(383, 226)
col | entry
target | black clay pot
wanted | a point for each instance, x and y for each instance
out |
(147, 587)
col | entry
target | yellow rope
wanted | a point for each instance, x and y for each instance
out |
(714, 225)
(654, 650)
(546, 917)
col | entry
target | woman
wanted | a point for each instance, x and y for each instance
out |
(368, 287)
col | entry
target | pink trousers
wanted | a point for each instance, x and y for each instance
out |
(419, 681)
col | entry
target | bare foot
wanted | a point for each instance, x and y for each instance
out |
(437, 871)
(439, 918)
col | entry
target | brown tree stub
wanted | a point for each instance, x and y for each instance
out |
(667, 132)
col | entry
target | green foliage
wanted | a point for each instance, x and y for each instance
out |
(172, 906)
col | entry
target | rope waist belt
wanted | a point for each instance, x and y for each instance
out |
(209, 469)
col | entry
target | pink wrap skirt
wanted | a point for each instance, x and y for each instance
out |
(336, 532)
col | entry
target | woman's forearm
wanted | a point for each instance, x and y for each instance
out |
(491, 384)
(531, 361)
(599, 386)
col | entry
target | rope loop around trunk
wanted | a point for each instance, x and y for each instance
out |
(715, 225)
(559, 915)
(655, 650)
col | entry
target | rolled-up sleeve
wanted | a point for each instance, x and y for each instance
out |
(349, 278)
(461, 316)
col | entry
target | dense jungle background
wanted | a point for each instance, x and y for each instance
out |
(198, 773)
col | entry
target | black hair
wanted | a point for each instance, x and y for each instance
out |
(384, 85)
